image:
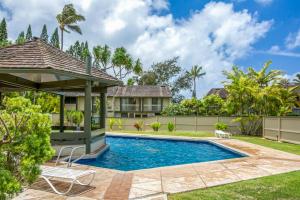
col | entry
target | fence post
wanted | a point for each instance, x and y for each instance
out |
(263, 126)
(175, 123)
(279, 128)
(196, 123)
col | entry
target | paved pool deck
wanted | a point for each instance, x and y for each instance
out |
(154, 184)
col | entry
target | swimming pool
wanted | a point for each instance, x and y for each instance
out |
(132, 153)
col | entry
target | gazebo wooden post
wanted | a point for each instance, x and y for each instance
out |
(88, 107)
(62, 113)
(102, 109)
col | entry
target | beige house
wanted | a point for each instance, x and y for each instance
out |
(125, 101)
(137, 100)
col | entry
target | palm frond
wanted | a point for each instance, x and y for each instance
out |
(75, 28)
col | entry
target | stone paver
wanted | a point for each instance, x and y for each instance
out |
(153, 184)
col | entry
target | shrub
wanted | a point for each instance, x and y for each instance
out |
(120, 124)
(221, 126)
(77, 117)
(139, 125)
(24, 144)
(74, 117)
(171, 126)
(155, 126)
(111, 123)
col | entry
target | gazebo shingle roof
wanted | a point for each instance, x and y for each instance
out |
(37, 54)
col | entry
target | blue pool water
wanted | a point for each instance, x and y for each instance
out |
(132, 153)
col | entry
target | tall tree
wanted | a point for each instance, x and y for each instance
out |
(44, 35)
(168, 73)
(28, 33)
(85, 51)
(67, 21)
(122, 63)
(102, 56)
(3, 31)
(21, 38)
(195, 73)
(54, 41)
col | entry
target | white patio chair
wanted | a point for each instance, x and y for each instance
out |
(69, 158)
(67, 174)
(222, 134)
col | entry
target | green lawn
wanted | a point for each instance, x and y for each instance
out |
(283, 186)
(283, 146)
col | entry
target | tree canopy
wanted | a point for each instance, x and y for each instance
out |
(168, 73)
(28, 33)
(54, 41)
(44, 34)
(24, 144)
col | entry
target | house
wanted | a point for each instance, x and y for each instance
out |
(125, 101)
(221, 92)
(137, 100)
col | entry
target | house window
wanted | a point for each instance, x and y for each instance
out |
(129, 104)
(156, 105)
(70, 100)
(154, 101)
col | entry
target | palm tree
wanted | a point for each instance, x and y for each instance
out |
(265, 77)
(68, 19)
(297, 79)
(102, 56)
(195, 73)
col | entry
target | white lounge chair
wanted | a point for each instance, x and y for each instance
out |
(67, 174)
(222, 134)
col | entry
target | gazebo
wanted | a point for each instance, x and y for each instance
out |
(36, 65)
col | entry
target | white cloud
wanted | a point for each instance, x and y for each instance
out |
(276, 50)
(293, 40)
(214, 37)
(264, 2)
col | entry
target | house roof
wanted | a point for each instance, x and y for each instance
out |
(221, 92)
(131, 91)
(36, 56)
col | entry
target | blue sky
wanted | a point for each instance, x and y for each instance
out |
(213, 34)
(285, 15)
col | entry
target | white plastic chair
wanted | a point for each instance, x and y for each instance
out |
(222, 134)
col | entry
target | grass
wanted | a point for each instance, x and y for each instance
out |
(283, 146)
(283, 186)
